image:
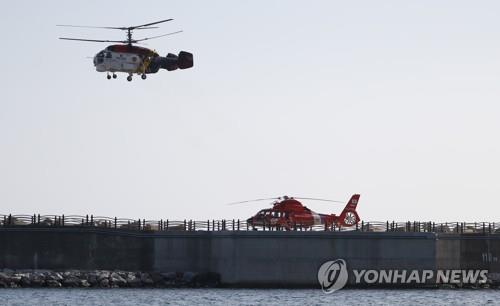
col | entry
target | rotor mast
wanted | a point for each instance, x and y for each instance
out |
(129, 36)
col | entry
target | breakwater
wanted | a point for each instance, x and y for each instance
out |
(105, 279)
(245, 258)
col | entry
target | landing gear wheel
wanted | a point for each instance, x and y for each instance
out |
(109, 77)
(129, 78)
(114, 75)
(143, 76)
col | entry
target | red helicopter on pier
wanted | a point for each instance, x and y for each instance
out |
(288, 213)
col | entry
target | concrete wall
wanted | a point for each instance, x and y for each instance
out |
(73, 248)
(468, 251)
(293, 259)
(286, 259)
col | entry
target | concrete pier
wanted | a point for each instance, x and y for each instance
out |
(244, 258)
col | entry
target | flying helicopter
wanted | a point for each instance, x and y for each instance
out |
(288, 213)
(128, 58)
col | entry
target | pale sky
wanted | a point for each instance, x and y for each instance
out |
(395, 100)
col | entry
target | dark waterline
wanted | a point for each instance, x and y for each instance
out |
(300, 297)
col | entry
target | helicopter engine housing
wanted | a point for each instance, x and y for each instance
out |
(172, 62)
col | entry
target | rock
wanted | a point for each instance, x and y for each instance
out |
(53, 283)
(84, 283)
(104, 283)
(188, 277)
(169, 276)
(156, 277)
(122, 274)
(25, 281)
(103, 275)
(4, 276)
(54, 276)
(57, 276)
(37, 279)
(71, 281)
(492, 277)
(146, 279)
(116, 279)
(92, 279)
(133, 281)
(15, 278)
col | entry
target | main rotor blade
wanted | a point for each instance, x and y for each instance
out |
(93, 27)
(316, 199)
(153, 37)
(256, 200)
(148, 24)
(93, 40)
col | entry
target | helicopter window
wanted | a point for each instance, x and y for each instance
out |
(108, 54)
(100, 54)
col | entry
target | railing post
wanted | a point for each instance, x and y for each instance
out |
(184, 224)
(115, 221)
(167, 224)
(62, 220)
(238, 224)
(208, 225)
(387, 226)
(10, 219)
(362, 226)
(233, 224)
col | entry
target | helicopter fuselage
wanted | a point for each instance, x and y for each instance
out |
(124, 58)
(139, 60)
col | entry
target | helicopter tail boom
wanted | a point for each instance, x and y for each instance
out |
(349, 216)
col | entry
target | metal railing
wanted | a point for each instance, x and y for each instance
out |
(37, 220)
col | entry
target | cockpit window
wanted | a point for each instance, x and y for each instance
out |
(108, 54)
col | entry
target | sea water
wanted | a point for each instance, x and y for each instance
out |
(302, 297)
